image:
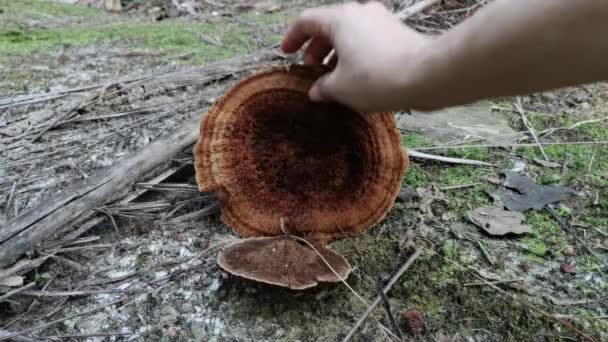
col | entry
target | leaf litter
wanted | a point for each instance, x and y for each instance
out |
(497, 221)
(521, 193)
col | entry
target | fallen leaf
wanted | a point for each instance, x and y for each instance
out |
(568, 301)
(493, 179)
(567, 268)
(547, 163)
(12, 281)
(414, 320)
(487, 275)
(497, 221)
(522, 193)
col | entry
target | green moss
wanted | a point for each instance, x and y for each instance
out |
(416, 177)
(584, 164)
(15, 12)
(444, 273)
(173, 36)
(591, 129)
(41, 277)
(140, 261)
(458, 175)
(462, 200)
(538, 248)
(477, 153)
(437, 288)
(45, 8)
(370, 255)
(449, 249)
(431, 306)
(578, 158)
(169, 35)
(546, 238)
(413, 140)
(538, 121)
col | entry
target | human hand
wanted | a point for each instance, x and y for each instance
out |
(376, 56)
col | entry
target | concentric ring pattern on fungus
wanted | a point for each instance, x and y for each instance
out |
(280, 163)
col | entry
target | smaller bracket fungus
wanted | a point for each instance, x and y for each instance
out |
(283, 261)
(281, 164)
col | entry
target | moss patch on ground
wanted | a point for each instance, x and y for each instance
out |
(207, 41)
(19, 14)
(438, 288)
(481, 309)
(170, 36)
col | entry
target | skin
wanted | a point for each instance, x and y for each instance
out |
(507, 48)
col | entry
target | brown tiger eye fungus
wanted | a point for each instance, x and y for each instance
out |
(272, 155)
(283, 261)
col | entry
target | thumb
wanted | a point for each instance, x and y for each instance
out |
(323, 89)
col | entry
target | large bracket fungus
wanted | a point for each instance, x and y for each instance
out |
(283, 165)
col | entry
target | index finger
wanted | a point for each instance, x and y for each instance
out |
(312, 23)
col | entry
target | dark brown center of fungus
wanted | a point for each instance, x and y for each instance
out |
(302, 152)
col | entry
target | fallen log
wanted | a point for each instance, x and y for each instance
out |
(25, 231)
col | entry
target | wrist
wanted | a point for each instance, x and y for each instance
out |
(425, 83)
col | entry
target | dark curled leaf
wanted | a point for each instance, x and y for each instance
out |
(522, 193)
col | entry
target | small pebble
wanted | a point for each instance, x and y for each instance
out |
(567, 268)
(172, 332)
(569, 251)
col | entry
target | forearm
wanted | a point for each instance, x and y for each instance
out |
(515, 47)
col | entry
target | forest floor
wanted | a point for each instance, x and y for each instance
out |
(113, 82)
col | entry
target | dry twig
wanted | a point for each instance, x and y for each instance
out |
(19, 338)
(80, 293)
(481, 283)
(422, 155)
(95, 334)
(460, 186)
(524, 119)
(442, 147)
(389, 313)
(387, 288)
(16, 291)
